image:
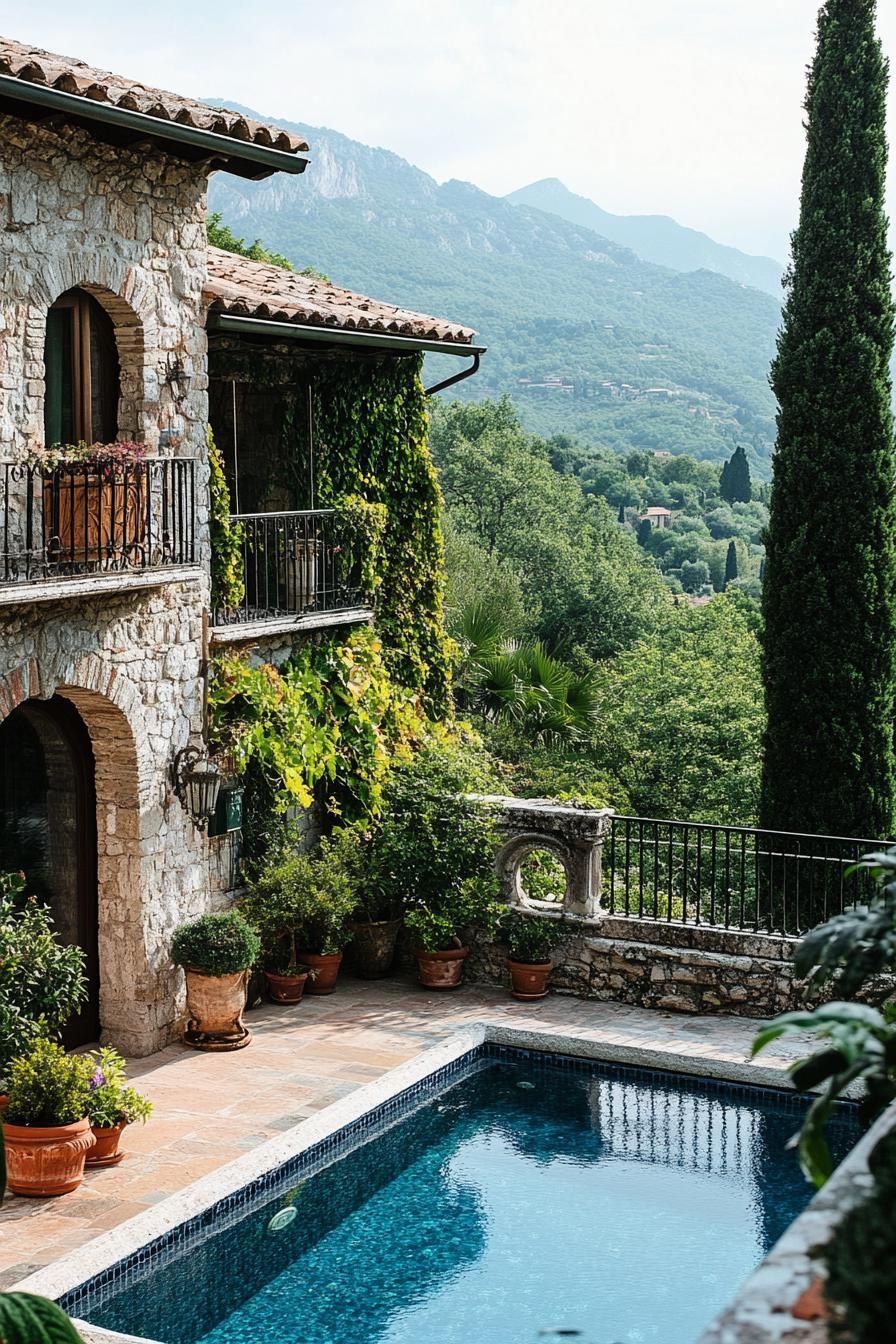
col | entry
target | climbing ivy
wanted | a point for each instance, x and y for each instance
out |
(370, 431)
(228, 584)
(329, 720)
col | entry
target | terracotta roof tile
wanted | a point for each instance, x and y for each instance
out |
(33, 66)
(253, 289)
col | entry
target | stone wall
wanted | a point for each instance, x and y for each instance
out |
(128, 226)
(672, 967)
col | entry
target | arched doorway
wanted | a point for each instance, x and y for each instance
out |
(48, 829)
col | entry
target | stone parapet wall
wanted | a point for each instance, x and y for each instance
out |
(675, 968)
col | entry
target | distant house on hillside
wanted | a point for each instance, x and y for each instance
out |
(658, 517)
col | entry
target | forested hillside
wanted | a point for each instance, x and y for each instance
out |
(587, 338)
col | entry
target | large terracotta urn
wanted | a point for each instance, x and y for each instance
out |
(215, 1005)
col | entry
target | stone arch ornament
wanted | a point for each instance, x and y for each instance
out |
(575, 835)
(108, 706)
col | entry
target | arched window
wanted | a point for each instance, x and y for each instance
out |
(82, 372)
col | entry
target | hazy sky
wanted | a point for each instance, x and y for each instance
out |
(684, 107)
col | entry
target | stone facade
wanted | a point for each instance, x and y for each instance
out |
(129, 227)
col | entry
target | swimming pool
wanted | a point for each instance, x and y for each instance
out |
(524, 1195)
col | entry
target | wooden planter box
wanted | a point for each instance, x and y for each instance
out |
(95, 520)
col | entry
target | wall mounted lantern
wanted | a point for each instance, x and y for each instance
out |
(196, 783)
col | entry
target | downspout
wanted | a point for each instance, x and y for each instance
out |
(455, 377)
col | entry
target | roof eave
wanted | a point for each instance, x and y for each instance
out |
(242, 157)
(361, 340)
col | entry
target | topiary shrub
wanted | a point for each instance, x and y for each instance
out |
(861, 1286)
(218, 944)
(47, 1087)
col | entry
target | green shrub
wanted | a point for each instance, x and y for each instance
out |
(301, 900)
(861, 1287)
(48, 1087)
(432, 837)
(530, 938)
(42, 982)
(218, 944)
(111, 1100)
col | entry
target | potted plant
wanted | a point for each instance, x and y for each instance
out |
(299, 902)
(46, 1127)
(111, 1106)
(439, 947)
(43, 982)
(432, 854)
(216, 952)
(531, 939)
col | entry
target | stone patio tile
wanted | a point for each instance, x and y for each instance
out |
(212, 1108)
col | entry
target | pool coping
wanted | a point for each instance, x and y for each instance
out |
(75, 1269)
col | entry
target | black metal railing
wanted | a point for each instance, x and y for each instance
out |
(730, 877)
(76, 519)
(293, 564)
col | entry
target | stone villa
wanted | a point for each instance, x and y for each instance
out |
(119, 325)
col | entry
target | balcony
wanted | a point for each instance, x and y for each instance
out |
(77, 530)
(300, 574)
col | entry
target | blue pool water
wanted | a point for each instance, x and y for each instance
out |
(524, 1200)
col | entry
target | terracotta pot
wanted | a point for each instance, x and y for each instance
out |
(4, 1101)
(529, 979)
(442, 970)
(105, 1152)
(285, 988)
(215, 1006)
(374, 947)
(326, 968)
(42, 1162)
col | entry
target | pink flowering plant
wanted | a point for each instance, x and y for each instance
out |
(108, 459)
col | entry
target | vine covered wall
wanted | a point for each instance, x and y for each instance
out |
(370, 430)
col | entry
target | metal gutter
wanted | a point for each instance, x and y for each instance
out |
(455, 377)
(73, 106)
(367, 340)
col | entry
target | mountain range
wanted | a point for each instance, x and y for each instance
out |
(587, 337)
(653, 237)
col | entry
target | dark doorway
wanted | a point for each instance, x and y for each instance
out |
(48, 829)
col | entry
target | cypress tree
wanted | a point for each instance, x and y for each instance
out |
(645, 532)
(735, 485)
(829, 597)
(620, 517)
(730, 563)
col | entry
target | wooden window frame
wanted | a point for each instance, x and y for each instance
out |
(82, 381)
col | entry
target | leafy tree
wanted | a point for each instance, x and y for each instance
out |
(830, 588)
(681, 717)
(731, 563)
(221, 235)
(583, 579)
(694, 575)
(735, 484)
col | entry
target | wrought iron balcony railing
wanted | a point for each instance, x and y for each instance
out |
(294, 564)
(75, 519)
(731, 877)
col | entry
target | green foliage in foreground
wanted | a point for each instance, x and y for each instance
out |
(861, 1286)
(26, 1319)
(850, 951)
(830, 582)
